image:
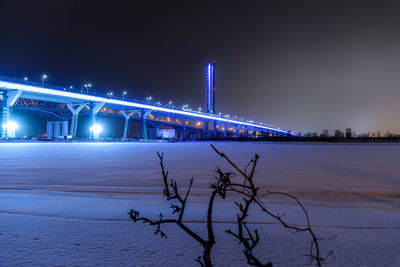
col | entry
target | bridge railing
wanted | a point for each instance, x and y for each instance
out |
(74, 90)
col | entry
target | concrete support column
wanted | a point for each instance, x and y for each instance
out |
(50, 129)
(65, 129)
(236, 131)
(57, 129)
(127, 117)
(215, 130)
(246, 132)
(92, 120)
(206, 131)
(224, 131)
(144, 132)
(10, 97)
(94, 108)
(4, 114)
(75, 109)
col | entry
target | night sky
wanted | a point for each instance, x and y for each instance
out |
(302, 65)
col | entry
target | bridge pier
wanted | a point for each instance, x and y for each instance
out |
(224, 130)
(127, 117)
(55, 129)
(144, 134)
(206, 130)
(246, 132)
(75, 109)
(9, 99)
(94, 108)
(4, 114)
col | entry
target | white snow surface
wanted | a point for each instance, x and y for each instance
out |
(67, 203)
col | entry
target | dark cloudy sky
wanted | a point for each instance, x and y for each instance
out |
(304, 65)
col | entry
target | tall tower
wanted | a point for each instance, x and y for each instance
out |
(210, 87)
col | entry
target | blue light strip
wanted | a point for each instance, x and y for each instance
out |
(209, 88)
(90, 98)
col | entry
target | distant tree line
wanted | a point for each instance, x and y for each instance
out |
(349, 135)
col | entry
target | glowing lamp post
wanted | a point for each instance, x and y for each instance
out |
(96, 130)
(87, 86)
(44, 77)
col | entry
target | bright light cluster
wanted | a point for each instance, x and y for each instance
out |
(96, 129)
(11, 126)
(78, 96)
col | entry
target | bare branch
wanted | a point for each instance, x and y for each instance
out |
(247, 237)
(164, 175)
(250, 192)
(172, 193)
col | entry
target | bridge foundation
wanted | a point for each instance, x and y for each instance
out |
(215, 130)
(4, 114)
(57, 129)
(127, 117)
(206, 130)
(224, 131)
(144, 134)
(75, 109)
(246, 132)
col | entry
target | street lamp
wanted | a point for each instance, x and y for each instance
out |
(25, 79)
(44, 76)
(124, 94)
(87, 86)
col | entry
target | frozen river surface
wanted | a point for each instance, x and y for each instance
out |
(67, 203)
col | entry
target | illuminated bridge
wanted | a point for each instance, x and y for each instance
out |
(63, 108)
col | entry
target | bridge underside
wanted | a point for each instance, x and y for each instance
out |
(116, 124)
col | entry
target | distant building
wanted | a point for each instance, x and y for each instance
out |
(339, 134)
(348, 133)
(325, 133)
(166, 133)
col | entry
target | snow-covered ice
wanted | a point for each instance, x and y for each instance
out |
(67, 203)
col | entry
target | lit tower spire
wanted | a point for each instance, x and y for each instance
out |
(210, 96)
